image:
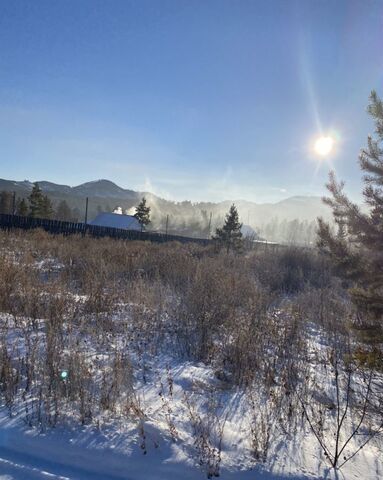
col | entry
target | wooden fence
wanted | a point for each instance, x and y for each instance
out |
(8, 222)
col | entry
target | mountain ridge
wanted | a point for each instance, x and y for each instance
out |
(111, 187)
(105, 195)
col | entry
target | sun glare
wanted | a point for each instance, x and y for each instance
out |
(324, 145)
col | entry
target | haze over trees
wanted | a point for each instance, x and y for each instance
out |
(291, 221)
(63, 212)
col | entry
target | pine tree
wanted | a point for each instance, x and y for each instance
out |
(35, 201)
(143, 213)
(22, 207)
(40, 205)
(230, 235)
(64, 212)
(6, 199)
(357, 248)
(76, 214)
(46, 207)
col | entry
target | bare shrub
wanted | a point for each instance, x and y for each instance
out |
(208, 430)
(343, 402)
(102, 310)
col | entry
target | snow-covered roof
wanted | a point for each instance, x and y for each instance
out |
(116, 220)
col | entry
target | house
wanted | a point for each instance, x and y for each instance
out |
(116, 220)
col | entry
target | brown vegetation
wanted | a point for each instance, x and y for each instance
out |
(97, 308)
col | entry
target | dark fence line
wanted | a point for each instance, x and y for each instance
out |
(8, 222)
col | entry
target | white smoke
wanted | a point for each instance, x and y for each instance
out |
(130, 211)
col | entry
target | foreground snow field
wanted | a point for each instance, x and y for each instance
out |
(114, 450)
(55, 457)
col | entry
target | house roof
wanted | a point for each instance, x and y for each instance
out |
(116, 220)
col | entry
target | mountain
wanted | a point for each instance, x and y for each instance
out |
(103, 188)
(102, 194)
(183, 217)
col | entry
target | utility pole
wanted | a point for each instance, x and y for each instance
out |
(209, 228)
(86, 211)
(167, 224)
(14, 203)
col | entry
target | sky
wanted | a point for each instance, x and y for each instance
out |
(204, 100)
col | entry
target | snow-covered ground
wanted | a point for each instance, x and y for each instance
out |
(64, 455)
(189, 421)
(115, 450)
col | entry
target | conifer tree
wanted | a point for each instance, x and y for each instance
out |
(6, 202)
(35, 201)
(143, 213)
(22, 207)
(39, 205)
(357, 248)
(230, 235)
(76, 214)
(46, 207)
(64, 212)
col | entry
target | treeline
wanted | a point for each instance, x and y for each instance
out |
(292, 232)
(199, 223)
(37, 205)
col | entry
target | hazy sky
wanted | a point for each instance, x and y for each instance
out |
(193, 99)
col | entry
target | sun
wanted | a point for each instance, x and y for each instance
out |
(324, 145)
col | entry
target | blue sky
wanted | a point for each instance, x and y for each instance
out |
(190, 99)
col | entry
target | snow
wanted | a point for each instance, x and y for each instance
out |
(173, 390)
(60, 454)
(116, 220)
(113, 452)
